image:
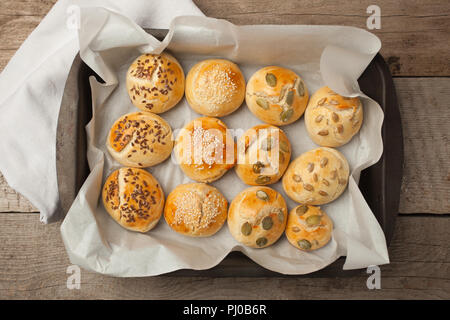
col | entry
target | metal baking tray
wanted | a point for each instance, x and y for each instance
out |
(380, 183)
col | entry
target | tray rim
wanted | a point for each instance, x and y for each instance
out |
(69, 184)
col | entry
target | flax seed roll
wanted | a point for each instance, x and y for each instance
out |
(317, 177)
(215, 87)
(140, 139)
(276, 95)
(196, 210)
(308, 228)
(264, 152)
(155, 82)
(133, 198)
(331, 119)
(205, 150)
(257, 217)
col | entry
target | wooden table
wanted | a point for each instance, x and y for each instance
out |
(416, 44)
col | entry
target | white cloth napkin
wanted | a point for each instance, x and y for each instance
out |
(32, 86)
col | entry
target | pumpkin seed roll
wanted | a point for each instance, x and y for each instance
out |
(155, 82)
(331, 119)
(308, 227)
(276, 95)
(257, 217)
(264, 152)
(196, 210)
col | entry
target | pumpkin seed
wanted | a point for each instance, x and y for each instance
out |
(263, 103)
(315, 177)
(246, 229)
(301, 89)
(262, 195)
(325, 182)
(267, 223)
(295, 229)
(284, 146)
(266, 144)
(297, 178)
(333, 174)
(281, 157)
(313, 220)
(285, 115)
(290, 98)
(271, 79)
(340, 128)
(257, 167)
(262, 179)
(319, 118)
(308, 187)
(261, 242)
(280, 215)
(323, 162)
(323, 133)
(321, 101)
(323, 193)
(342, 181)
(301, 209)
(304, 244)
(335, 117)
(310, 167)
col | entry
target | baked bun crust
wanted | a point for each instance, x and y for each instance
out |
(257, 217)
(264, 152)
(308, 227)
(316, 177)
(205, 150)
(196, 210)
(133, 198)
(276, 95)
(215, 87)
(140, 139)
(155, 82)
(331, 119)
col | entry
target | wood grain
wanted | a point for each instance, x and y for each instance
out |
(34, 265)
(425, 118)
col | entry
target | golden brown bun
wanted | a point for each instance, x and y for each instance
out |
(133, 198)
(257, 217)
(276, 95)
(264, 152)
(196, 210)
(208, 137)
(308, 228)
(316, 177)
(155, 82)
(215, 87)
(332, 120)
(140, 139)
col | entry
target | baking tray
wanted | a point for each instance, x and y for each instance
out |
(380, 183)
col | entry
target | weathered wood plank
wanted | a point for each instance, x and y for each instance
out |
(26, 7)
(425, 118)
(34, 265)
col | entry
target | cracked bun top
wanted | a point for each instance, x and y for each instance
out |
(140, 139)
(331, 119)
(316, 177)
(196, 210)
(276, 95)
(215, 87)
(155, 82)
(133, 198)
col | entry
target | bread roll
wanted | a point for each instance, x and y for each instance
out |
(155, 82)
(140, 139)
(133, 198)
(196, 209)
(332, 120)
(276, 95)
(264, 152)
(205, 150)
(308, 228)
(257, 217)
(215, 87)
(316, 177)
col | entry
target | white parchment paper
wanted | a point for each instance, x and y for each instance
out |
(330, 55)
